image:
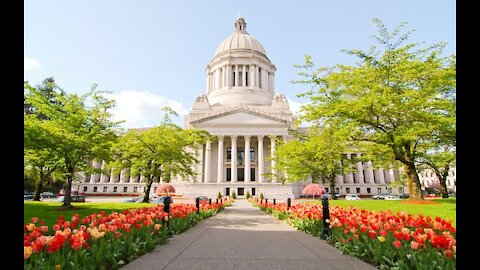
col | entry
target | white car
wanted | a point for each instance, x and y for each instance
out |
(352, 197)
(392, 198)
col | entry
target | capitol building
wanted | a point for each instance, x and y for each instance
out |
(246, 114)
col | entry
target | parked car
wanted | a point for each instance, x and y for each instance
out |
(203, 198)
(392, 198)
(404, 196)
(329, 196)
(161, 199)
(29, 197)
(47, 194)
(73, 198)
(352, 197)
(380, 196)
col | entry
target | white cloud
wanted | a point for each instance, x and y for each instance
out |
(144, 109)
(30, 63)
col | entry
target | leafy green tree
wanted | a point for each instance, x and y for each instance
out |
(318, 155)
(391, 100)
(158, 152)
(78, 128)
(49, 89)
(39, 166)
(439, 161)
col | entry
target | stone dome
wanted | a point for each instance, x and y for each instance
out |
(240, 40)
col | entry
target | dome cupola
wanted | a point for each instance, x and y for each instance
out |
(240, 71)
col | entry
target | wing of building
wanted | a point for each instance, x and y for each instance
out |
(242, 109)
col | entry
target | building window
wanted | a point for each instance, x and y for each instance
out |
(400, 190)
(240, 174)
(326, 189)
(246, 77)
(135, 189)
(252, 154)
(354, 178)
(114, 189)
(85, 189)
(229, 154)
(241, 191)
(337, 190)
(227, 191)
(240, 155)
(369, 190)
(358, 190)
(94, 189)
(229, 174)
(233, 76)
(260, 77)
(347, 190)
(104, 189)
(379, 190)
(253, 191)
(374, 177)
(124, 189)
(252, 174)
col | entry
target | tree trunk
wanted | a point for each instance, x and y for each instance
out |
(332, 188)
(68, 188)
(38, 187)
(414, 186)
(146, 197)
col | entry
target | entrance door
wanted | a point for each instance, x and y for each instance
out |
(253, 191)
(227, 191)
(241, 191)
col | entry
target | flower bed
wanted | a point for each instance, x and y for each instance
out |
(390, 241)
(107, 241)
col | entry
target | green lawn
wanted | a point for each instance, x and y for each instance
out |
(49, 211)
(445, 209)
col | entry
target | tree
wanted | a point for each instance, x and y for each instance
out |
(158, 152)
(439, 161)
(318, 155)
(78, 128)
(391, 100)
(39, 166)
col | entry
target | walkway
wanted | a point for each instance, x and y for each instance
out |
(243, 237)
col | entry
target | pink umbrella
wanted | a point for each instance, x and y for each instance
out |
(165, 188)
(313, 189)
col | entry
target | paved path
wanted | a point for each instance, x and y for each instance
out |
(243, 237)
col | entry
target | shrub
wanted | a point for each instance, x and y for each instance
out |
(248, 195)
(219, 195)
(234, 195)
(261, 196)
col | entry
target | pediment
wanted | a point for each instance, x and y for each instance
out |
(240, 117)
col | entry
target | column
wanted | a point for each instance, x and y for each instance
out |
(200, 163)
(103, 177)
(208, 149)
(244, 77)
(219, 78)
(229, 76)
(369, 177)
(234, 158)
(247, 158)
(260, 158)
(252, 76)
(257, 73)
(273, 83)
(112, 177)
(224, 78)
(361, 179)
(381, 176)
(273, 164)
(349, 176)
(122, 175)
(285, 140)
(267, 86)
(236, 75)
(220, 160)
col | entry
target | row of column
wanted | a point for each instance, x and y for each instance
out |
(124, 176)
(224, 76)
(220, 165)
(377, 176)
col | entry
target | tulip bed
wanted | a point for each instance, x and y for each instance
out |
(107, 241)
(381, 238)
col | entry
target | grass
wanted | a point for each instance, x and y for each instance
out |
(443, 208)
(50, 211)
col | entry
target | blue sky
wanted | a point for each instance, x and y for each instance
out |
(152, 54)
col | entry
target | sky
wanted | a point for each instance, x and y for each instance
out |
(150, 53)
